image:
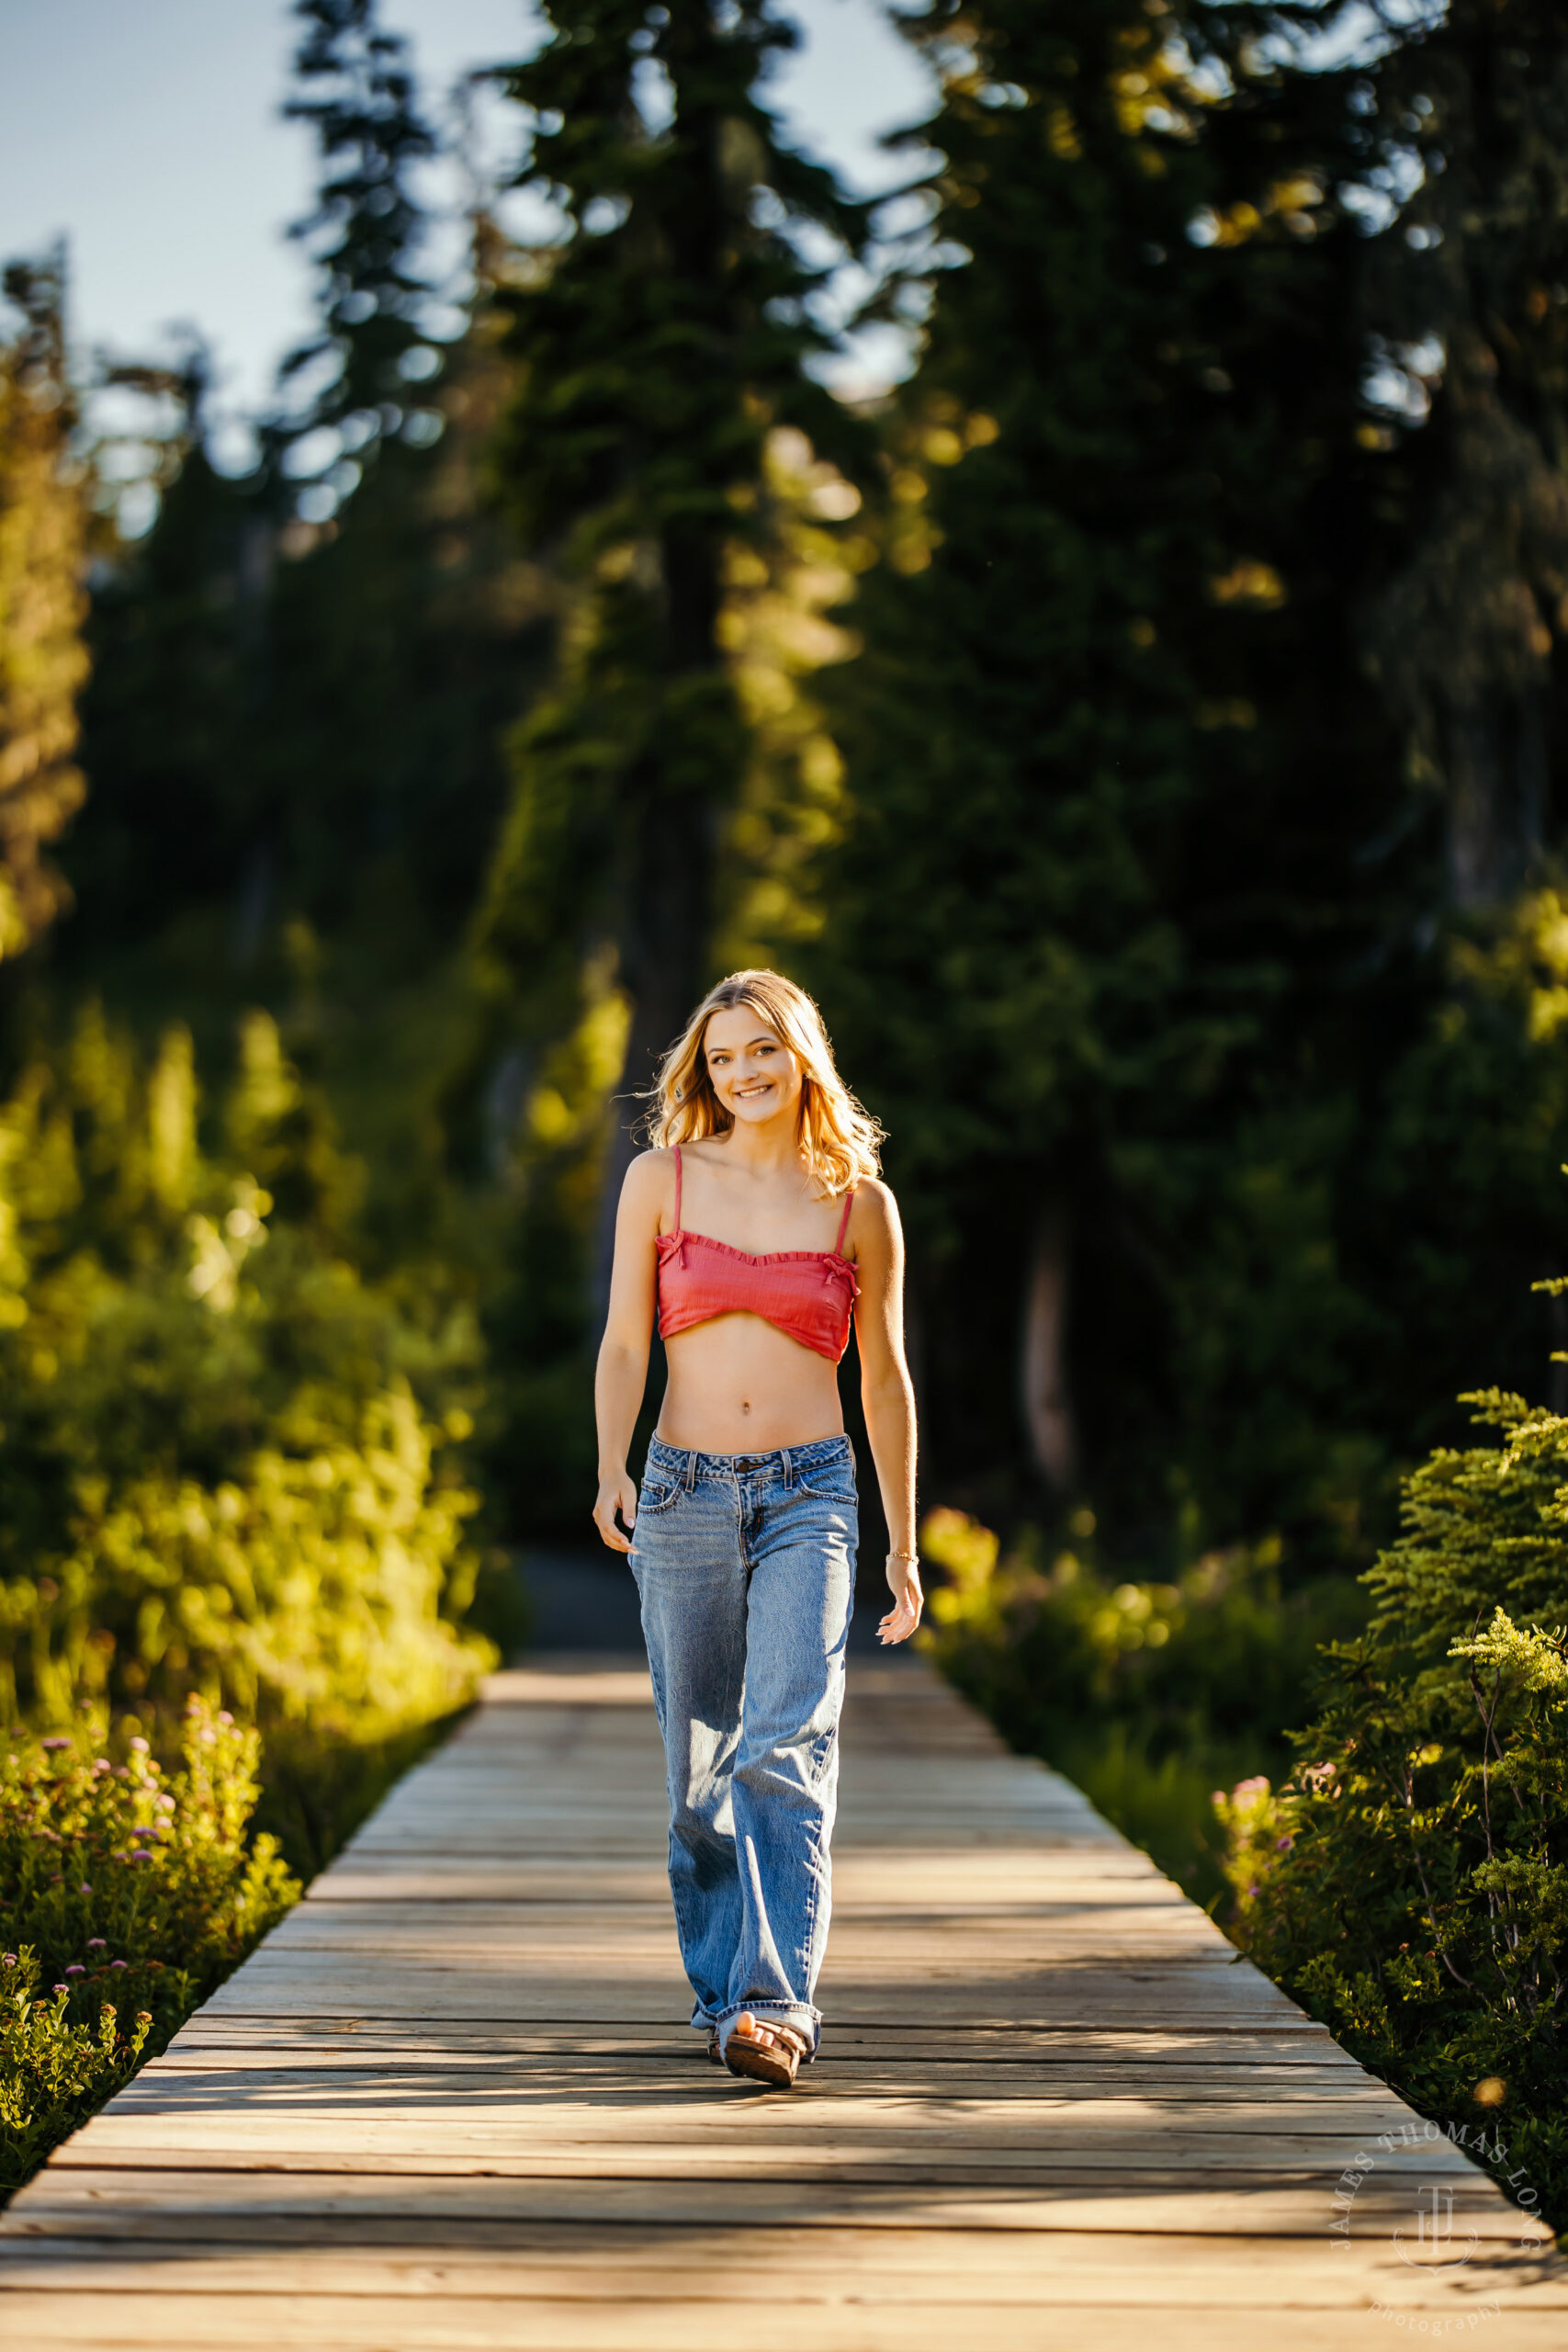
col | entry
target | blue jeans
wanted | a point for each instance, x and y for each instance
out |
(745, 1564)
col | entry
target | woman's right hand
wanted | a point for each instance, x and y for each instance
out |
(618, 1492)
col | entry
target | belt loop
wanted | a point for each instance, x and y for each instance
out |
(691, 1471)
(788, 1468)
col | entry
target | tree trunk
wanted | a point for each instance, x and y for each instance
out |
(664, 937)
(1047, 1403)
(1498, 789)
(666, 916)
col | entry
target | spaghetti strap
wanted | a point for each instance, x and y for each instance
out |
(677, 1188)
(844, 1222)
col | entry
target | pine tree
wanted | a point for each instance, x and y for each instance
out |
(42, 604)
(248, 722)
(1097, 880)
(365, 234)
(296, 726)
(173, 725)
(1471, 308)
(656, 347)
(1453, 127)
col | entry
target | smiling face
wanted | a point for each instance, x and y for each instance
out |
(754, 1074)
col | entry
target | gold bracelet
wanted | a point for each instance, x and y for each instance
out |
(912, 1556)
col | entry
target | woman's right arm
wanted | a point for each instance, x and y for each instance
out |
(622, 1373)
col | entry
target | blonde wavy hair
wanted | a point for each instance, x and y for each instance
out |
(840, 1138)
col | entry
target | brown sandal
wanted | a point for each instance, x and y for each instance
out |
(763, 2052)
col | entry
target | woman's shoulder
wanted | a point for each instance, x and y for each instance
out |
(874, 1189)
(875, 1209)
(649, 1181)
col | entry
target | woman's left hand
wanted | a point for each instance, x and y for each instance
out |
(904, 1583)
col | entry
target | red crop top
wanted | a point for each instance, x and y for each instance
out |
(810, 1294)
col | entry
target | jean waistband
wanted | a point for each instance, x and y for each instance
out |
(785, 1462)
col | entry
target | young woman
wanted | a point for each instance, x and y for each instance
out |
(754, 1229)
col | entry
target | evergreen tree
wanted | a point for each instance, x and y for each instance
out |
(1195, 625)
(656, 345)
(1098, 888)
(1471, 308)
(1452, 127)
(172, 724)
(42, 659)
(366, 232)
(296, 726)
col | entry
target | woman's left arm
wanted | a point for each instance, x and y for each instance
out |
(887, 1392)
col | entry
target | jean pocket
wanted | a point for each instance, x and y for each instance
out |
(833, 1483)
(654, 1496)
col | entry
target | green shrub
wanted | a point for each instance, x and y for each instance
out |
(131, 1881)
(232, 1461)
(1143, 1692)
(124, 1889)
(1409, 1882)
(55, 2070)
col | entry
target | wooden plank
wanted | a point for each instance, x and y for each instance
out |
(129, 2202)
(943, 2267)
(626, 2136)
(453, 2103)
(530, 2261)
(1296, 2040)
(1319, 2106)
(372, 2323)
(1300, 2042)
(1086, 1997)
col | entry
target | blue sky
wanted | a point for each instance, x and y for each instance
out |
(147, 133)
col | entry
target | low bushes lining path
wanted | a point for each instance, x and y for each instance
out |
(450, 2103)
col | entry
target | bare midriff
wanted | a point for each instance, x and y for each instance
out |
(738, 1384)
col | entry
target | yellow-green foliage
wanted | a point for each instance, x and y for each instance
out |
(125, 1892)
(43, 660)
(131, 1883)
(783, 584)
(54, 2070)
(1213, 1644)
(229, 1458)
(1143, 1691)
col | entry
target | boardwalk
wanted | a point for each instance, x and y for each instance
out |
(452, 2104)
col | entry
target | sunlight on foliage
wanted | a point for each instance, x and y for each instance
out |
(226, 1467)
(125, 1892)
(43, 661)
(1132, 1688)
